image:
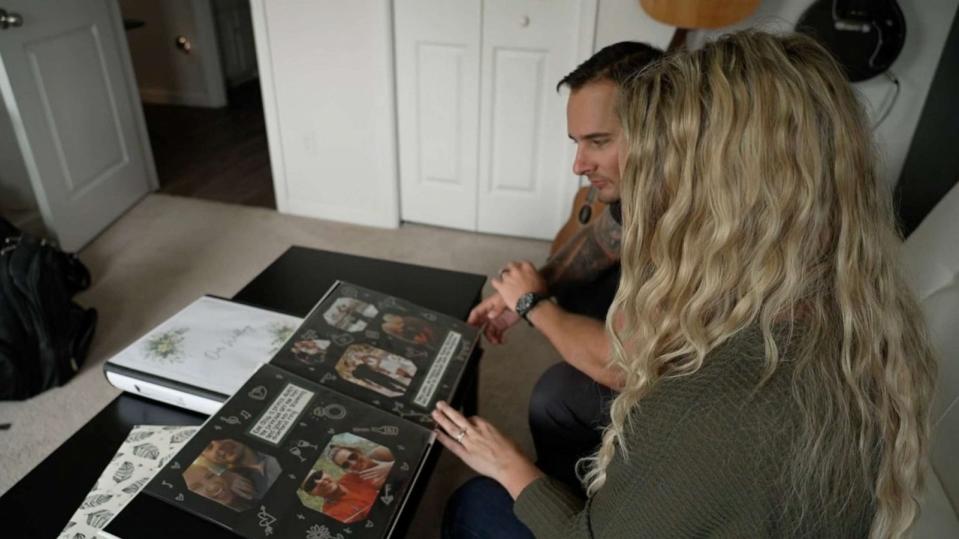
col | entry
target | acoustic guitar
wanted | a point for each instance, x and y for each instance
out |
(687, 15)
(586, 207)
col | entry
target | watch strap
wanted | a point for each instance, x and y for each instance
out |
(527, 302)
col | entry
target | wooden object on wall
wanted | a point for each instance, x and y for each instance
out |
(689, 14)
(699, 13)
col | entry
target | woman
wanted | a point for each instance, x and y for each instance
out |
(776, 371)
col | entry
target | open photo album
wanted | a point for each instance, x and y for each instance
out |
(326, 440)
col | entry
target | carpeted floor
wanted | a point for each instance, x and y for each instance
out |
(167, 251)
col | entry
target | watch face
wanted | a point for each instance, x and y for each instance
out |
(523, 304)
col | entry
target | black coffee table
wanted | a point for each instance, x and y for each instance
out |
(41, 503)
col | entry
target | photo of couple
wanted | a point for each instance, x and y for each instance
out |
(231, 474)
(349, 314)
(410, 329)
(310, 350)
(345, 481)
(375, 369)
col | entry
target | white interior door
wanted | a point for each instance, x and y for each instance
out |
(68, 84)
(527, 47)
(437, 95)
(165, 72)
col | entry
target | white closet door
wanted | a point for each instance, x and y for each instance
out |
(527, 46)
(437, 94)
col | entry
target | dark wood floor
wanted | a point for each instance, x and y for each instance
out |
(215, 154)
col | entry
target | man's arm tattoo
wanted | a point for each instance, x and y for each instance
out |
(593, 249)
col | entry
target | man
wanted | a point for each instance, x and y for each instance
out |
(224, 487)
(373, 467)
(569, 405)
(348, 499)
(262, 470)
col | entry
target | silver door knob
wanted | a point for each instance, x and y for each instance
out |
(10, 19)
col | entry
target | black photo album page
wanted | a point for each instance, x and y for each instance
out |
(380, 349)
(286, 457)
(326, 440)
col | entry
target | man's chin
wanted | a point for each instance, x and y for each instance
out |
(608, 196)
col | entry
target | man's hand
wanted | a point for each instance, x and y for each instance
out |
(494, 316)
(240, 485)
(516, 279)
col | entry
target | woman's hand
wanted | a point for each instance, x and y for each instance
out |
(484, 449)
(376, 475)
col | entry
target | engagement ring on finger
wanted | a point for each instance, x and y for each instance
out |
(459, 437)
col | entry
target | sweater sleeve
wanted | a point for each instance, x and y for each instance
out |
(550, 509)
(696, 468)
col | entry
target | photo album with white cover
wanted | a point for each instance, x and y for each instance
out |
(201, 356)
(327, 439)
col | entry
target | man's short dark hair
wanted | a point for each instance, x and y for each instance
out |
(616, 62)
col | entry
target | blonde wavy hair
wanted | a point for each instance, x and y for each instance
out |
(750, 197)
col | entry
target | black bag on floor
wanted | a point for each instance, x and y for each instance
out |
(44, 335)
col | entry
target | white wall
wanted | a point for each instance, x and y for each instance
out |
(164, 73)
(625, 20)
(326, 72)
(927, 26)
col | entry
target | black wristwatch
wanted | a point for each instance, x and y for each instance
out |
(526, 302)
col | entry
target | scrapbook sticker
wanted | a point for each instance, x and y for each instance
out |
(282, 414)
(428, 388)
(266, 520)
(390, 304)
(385, 430)
(330, 411)
(317, 531)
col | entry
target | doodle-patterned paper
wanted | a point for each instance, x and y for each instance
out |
(137, 460)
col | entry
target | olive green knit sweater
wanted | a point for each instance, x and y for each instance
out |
(705, 460)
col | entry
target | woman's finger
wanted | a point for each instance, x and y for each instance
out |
(446, 424)
(452, 445)
(457, 418)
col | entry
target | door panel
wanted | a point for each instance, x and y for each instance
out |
(518, 103)
(77, 56)
(67, 83)
(437, 92)
(526, 48)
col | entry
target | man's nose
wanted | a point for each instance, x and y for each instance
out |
(582, 164)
